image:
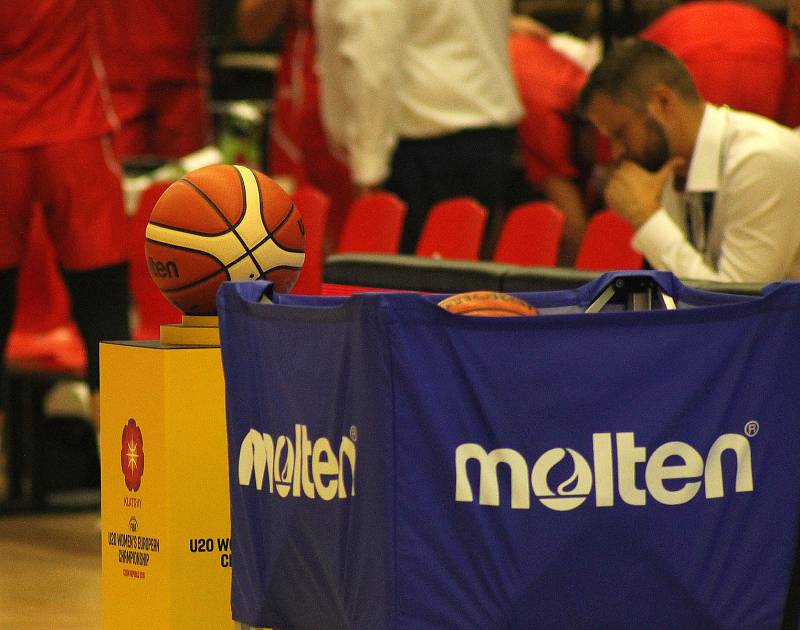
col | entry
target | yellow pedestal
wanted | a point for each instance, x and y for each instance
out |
(194, 330)
(165, 505)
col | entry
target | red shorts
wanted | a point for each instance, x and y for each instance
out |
(78, 183)
(167, 121)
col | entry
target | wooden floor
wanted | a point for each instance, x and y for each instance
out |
(50, 572)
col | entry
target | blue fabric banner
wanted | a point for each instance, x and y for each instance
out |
(397, 466)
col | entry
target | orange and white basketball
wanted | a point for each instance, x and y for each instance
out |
(487, 304)
(221, 223)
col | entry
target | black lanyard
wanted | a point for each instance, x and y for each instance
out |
(700, 239)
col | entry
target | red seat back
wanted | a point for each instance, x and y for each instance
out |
(606, 244)
(314, 206)
(374, 223)
(453, 229)
(531, 235)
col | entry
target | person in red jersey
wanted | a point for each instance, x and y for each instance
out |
(55, 152)
(298, 146)
(791, 105)
(549, 83)
(735, 52)
(155, 58)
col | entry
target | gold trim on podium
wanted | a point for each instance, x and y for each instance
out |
(194, 330)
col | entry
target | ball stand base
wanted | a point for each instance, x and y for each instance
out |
(194, 330)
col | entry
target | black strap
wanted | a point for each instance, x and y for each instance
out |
(708, 210)
(707, 199)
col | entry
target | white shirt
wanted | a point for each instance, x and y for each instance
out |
(393, 69)
(752, 165)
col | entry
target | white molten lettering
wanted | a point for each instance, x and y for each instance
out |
(678, 462)
(300, 468)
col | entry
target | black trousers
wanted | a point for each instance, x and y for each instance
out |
(474, 163)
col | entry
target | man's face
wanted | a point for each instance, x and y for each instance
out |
(635, 135)
(793, 22)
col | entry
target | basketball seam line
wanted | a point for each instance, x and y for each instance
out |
(215, 208)
(277, 228)
(223, 267)
(182, 230)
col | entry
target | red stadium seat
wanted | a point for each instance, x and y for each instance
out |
(606, 244)
(531, 235)
(314, 206)
(453, 229)
(374, 223)
(152, 308)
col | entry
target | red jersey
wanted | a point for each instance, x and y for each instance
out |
(298, 144)
(296, 98)
(143, 42)
(51, 86)
(736, 53)
(548, 83)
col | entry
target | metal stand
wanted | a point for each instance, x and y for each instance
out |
(638, 293)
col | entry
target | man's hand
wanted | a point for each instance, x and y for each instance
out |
(635, 193)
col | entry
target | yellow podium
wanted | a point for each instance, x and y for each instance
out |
(165, 506)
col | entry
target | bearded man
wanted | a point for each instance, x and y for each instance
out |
(712, 192)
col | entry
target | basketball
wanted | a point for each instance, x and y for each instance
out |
(487, 304)
(221, 223)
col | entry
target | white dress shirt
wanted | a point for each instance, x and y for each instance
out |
(752, 165)
(393, 69)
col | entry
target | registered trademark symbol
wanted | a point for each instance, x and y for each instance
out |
(751, 428)
(354, 433)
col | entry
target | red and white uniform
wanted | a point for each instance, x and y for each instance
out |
(548, 83)
(54, 148)
(155, 57)
(298, 145)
